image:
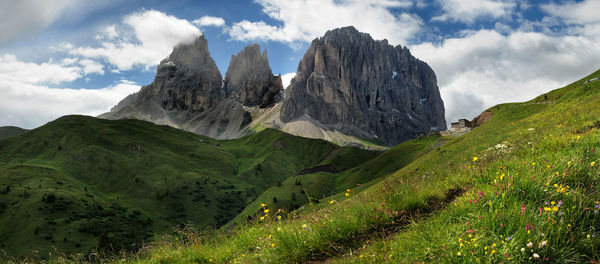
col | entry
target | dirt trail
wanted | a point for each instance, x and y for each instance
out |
(353, 242)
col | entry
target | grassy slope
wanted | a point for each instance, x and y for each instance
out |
(346, 170)
(83, 182)
(10, 131)
(535, 180)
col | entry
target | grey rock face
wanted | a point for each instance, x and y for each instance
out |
(187, 80)
(250, 80)
(188, 92)
(365, 88)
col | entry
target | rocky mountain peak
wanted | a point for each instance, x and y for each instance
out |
(351, 83)
(250, 80)
(194, 56)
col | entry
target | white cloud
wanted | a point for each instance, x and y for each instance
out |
(485, 68)
(28, 105)
(90, 66)
(287, 78)
(581, 18)
(24, 17)
(467, 11)
(109, 33)
(209, 21)
(12, 69)
(305, 20)
(69, 61)
(421, 3)
(576, 13)
(153, 36)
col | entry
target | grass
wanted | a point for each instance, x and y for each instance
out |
(10, 131)
(527, 183)
(88, 184)
(330, 179)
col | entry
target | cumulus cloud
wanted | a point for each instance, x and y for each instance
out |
(209, 21)
(467, 11)
(305, 20)
(25, 17)
(27, 100)
(150, 37)
(28, 105)
(14, 70)
(108, 33)
(286, 79)
(485, 68)
(581, 17)
(575, 12)
(90, 66)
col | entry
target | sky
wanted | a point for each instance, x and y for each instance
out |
(65, 57)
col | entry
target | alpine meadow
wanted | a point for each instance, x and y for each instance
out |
(315, 131)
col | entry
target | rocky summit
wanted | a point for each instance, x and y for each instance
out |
(188, 92)
(348, 88)
(187, 83)
(351, 83)
(250, 80)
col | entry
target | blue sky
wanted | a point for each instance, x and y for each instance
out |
(81, 57)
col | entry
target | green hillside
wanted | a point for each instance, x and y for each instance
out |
(330, 180)
(80, 184)
(522, 188)
(10, 131)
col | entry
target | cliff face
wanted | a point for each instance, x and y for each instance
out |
(188, 92)
(348, 88)
(187, 80)
(250, 80)
(351, 83)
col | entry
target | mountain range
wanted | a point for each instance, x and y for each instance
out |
(349, 89)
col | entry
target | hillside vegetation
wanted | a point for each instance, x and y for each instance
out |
(81, 184)
(523, 187)
(10, 131)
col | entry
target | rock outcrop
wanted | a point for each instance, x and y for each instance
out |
(188, 92)
(351, 83)
(188, 80)
(348, 88)
(250, 80)
(482, 118)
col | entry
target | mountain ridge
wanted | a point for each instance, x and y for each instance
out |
(393, 97)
